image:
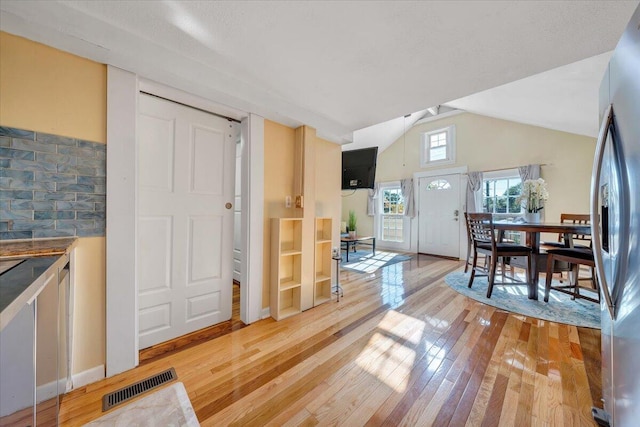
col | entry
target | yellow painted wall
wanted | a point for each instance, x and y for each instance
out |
(328, 181)
(357, 201)
(484, 143)
(279, 142)
(90, 316)
(278, 183)
(47, 90)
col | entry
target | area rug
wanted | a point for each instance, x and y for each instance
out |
(169, 406)
(366, 262)
(513, 298)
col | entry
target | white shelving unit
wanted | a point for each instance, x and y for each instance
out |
(286, 267)
(322, 267)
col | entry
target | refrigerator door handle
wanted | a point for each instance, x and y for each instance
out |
(596, 237)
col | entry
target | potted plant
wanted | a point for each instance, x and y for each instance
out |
(352, 223)
(534, 194)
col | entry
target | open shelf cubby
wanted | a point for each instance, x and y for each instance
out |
(286, 267)
(322, 291)
(323, 261)
(289, 302)
(323, 230)
(291, 235)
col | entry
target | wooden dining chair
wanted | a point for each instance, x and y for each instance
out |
(575, 257)
(583, 241)
(469, 262)
(469, 246)
(484, 239)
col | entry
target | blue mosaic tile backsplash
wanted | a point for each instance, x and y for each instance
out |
(51, 186)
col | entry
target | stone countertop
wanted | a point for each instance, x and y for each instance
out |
(15, 281)
(22, 282)
(36, 248)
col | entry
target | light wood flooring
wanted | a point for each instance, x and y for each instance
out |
(164, 349)
(401, 348)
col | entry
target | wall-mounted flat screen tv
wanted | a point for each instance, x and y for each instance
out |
(359, 168)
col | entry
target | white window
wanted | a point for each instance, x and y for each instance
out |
(438, 147)
(500, 193)
(439, 184)
(391, 217)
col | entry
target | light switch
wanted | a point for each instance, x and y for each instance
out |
(287, 202)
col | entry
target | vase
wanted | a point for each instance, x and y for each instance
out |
(352, 234)
(532, 217)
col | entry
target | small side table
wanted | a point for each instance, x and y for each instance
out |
(337, 289)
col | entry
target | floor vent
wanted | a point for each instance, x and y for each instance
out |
(127, 393)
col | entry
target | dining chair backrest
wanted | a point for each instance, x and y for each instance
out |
(466, 221)
(583, 219)
(480, 227)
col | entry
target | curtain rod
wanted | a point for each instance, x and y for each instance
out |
(504, 169)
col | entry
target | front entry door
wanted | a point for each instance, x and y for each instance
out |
(439, 216)
(185, 219)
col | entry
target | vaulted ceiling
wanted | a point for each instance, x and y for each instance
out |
(336, 66)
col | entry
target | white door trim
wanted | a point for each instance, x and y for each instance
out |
(121, 287)
(435, 172)
(252, 196)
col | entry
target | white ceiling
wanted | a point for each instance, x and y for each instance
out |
(565, 98)
(336, 66)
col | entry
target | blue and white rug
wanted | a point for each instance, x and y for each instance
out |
(365, 262)
(560, 308)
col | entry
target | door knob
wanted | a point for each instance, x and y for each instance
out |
(228, 205)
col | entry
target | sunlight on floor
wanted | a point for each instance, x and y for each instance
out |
(389, 355)
(392, 285)
(372, 263)
(438, 324)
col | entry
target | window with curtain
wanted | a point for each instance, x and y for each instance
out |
(500, 195)
(391, 214)
(500, 192)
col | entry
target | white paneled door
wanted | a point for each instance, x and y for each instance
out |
(186, 174)
(439, 215)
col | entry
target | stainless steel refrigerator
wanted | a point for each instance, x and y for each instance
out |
(615, 223)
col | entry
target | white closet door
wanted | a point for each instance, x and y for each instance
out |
(186, 173)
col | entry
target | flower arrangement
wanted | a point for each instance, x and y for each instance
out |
(534, 194)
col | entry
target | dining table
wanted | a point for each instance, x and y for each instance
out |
(533, 231)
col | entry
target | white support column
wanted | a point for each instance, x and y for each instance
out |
(252, 218)
(122, 289)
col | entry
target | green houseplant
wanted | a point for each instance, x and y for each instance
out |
(352, 223)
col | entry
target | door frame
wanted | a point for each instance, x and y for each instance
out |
(121, 291)
(460, 170)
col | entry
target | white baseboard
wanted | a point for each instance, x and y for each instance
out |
(50, 390)
(266, 312)
(87, 377)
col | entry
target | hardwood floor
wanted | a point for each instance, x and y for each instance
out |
(164, 349)
(401, 348)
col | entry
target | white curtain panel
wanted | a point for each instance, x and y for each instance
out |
(474, 192)
(529, 172)
(406, 187)
(371, 200)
